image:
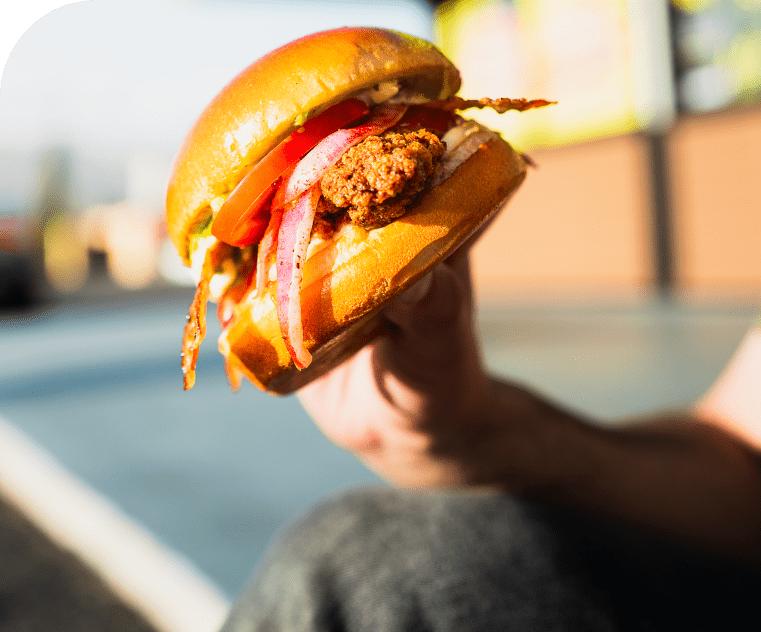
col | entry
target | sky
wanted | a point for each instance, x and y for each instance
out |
(109, 77)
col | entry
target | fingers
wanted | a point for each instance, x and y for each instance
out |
(415, 294)
(432, 339)
(436, 301)
(432, 306)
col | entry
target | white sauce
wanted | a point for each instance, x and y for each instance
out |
(462, 142)
(198, 255)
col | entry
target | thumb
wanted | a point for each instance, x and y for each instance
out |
(434, 304)
(430, 347)
(432, 335)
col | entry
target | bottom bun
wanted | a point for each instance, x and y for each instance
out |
(347, 283)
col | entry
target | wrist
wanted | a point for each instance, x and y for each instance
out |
(524, 445)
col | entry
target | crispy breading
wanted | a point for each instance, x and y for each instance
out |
(375, 180)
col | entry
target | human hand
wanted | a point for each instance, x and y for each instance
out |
(414, 405)
(419, 409)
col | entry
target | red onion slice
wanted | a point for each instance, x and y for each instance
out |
(327, 152)
(292, 242)
(267, 250)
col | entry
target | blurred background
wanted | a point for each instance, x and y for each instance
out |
(619, 279)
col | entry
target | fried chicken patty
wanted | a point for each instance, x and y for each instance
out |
(375, 180)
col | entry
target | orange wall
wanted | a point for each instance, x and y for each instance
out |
(579, 226)
(716, 170)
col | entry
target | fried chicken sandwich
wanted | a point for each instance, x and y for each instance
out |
(323, 181)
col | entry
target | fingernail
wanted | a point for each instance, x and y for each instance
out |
(417, 292)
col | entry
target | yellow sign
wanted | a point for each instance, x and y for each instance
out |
(580, 53)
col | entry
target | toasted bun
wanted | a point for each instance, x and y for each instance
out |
(260, 106)
(347, 283)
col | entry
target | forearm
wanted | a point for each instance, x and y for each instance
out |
(673, 476)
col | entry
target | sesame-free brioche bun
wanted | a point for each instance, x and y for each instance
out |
(263, 105)
(346, 285)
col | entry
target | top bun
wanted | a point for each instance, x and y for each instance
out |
(262, 105)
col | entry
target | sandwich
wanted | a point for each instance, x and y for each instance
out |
(320, 183)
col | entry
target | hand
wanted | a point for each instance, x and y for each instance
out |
(414, 404)
(418, 408)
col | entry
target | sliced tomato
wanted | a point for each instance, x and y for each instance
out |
(434, 119)
(250, 226)
(244, 216)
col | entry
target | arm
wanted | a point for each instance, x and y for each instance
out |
(696, 476)
(675, 476)
(417, 407)
(734, 402)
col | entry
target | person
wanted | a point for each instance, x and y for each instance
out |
(507, 512)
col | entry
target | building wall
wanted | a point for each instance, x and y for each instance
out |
(716, 163)
(581, 225)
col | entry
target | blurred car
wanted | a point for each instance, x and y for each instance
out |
(19, 283)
